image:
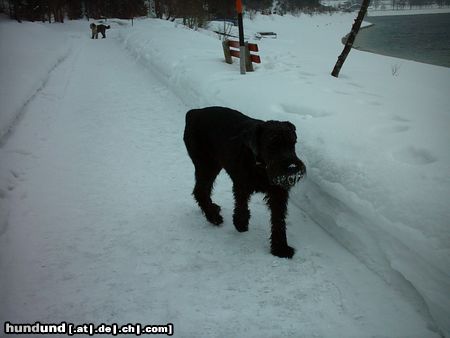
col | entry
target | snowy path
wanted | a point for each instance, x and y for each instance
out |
(102, 227)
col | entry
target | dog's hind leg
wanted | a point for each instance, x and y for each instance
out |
(204, 180)
(241, 215)
(206, 171)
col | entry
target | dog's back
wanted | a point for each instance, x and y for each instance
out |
(102, 27)
(215, 125)
(211, 133)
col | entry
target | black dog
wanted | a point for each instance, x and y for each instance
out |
(259, 156)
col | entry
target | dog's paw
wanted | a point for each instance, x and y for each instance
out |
(215, 219)
(241, 227)
(213, 215)
(283, 252)
(240, 223)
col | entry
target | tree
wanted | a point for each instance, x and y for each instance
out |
(351, 38)
(57, 10)
(222, 9)
(74, 9)
(193, 12)
(258, 5)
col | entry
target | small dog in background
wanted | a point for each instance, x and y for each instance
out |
(98, 29)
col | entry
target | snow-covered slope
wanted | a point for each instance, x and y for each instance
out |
(97, 224)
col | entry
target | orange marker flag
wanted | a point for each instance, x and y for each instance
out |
(239, 6)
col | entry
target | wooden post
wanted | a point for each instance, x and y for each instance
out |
(248, 59)
(351, 38)
(229, 51)
(226, 51)
(241, 36)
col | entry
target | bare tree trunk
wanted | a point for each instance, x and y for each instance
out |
(351, 38)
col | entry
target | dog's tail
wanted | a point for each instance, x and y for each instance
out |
(108, 27)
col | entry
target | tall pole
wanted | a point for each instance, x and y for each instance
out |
(241, 36)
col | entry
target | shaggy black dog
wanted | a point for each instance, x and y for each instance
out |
(258, 155)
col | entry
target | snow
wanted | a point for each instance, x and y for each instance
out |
(97, 221)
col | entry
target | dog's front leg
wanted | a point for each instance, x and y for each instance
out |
(277, 199)
(241, 214)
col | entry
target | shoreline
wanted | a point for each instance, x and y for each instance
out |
(361, 49)
(407, 11)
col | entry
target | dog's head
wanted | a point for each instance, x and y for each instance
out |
(92, 26)
(273, 144)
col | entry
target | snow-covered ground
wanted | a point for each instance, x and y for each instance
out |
(98, 225)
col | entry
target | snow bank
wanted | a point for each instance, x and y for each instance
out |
(375, 141)
(23, 44)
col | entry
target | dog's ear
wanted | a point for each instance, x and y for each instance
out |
(250, 137)
(291, 126)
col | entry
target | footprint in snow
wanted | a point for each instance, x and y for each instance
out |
(399, 119)
(414, 155)
(340, 92)
(354, 84)
(391, 129)
(303, 112)
(306, 74)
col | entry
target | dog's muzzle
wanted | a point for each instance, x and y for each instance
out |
(293, 175)
(288, 181)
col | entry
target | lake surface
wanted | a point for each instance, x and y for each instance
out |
(424, 38)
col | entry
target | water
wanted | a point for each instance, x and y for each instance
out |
(423, 38)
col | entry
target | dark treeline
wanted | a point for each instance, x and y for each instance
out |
(196, 12)
(295, 6)
(193, 12)
(57, 10)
